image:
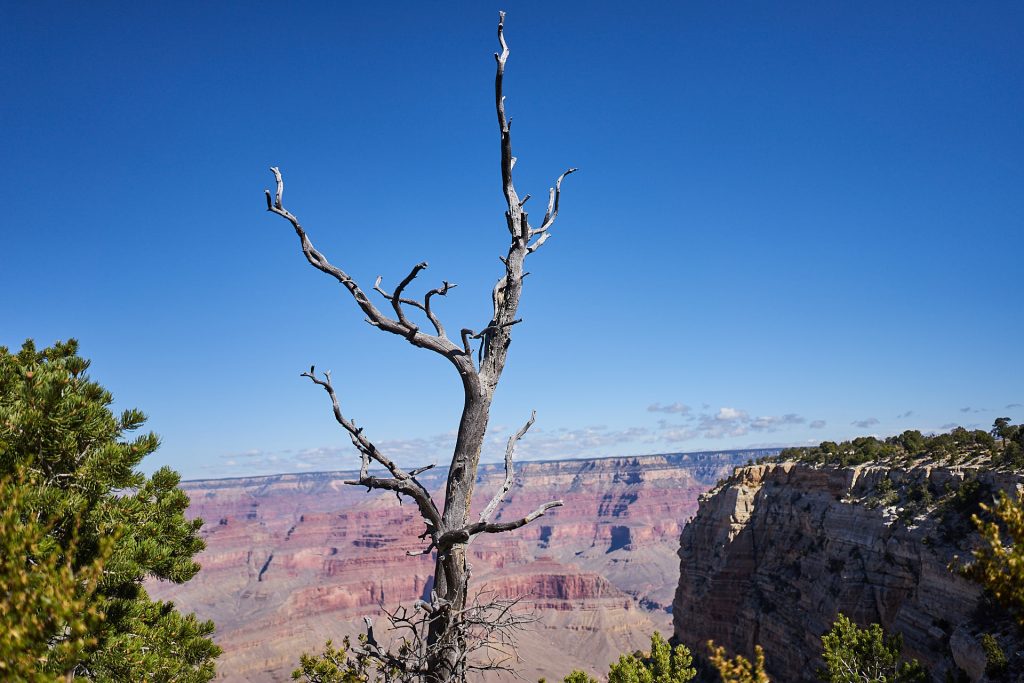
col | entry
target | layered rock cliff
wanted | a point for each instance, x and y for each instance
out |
(779, 549)
(293, 560)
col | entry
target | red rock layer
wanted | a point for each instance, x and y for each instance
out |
(293, 560)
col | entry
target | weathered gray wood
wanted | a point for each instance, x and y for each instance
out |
(444, 651)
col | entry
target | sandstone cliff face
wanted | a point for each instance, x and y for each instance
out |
(777, 551)
(293, 560)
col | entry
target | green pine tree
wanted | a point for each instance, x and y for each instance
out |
(663, 664)
(865, 655)
(58, 434)
(47, 615)
(336, 665)
(578, 676)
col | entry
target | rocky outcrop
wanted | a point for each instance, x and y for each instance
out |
(293, 560)
(777, 551)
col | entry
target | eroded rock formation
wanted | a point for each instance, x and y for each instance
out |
(777, 551)
(293, 560)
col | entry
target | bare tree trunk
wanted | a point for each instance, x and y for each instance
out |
(449, 530)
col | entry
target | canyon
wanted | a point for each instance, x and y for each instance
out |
(295, 559)
(777, 550)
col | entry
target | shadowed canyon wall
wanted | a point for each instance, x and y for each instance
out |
(777, 551)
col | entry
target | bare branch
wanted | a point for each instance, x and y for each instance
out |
(440, 291)
(491, 328)
(376, 288)
(365, 447)
(424, 306)
(373, 649)
(498, 527)
(401, 327)
(459, 536)
(404, 487)
(509, 449)
(467, 334)
(421, 470)
(536, 245)
(481, 638)
(504, 125)
(396, 300)
(425, 551)
(553, 196)
(403, 482)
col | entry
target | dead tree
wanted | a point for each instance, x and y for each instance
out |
(485, 630)
(448, 528)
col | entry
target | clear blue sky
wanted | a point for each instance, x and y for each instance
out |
(798, 220)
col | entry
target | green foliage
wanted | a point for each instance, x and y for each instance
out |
(1011, 438)
(959, 445)
(47, 614)
(56, 427)
(663, 664)
(885, 494)
(919, 499)
(856, 655)
(738, 669)
(951, 448)
(333, 665)
(1001, 449)
(995, 658)
(578, 676)
(999, 565)
(857, 452)
(912, 441)
(958, 506)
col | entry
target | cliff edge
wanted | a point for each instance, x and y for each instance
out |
(778, 549)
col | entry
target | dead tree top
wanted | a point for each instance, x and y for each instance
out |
(479, 372)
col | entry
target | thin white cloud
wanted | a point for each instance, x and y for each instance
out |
(573, 442)
(866, 423)
(678, 435)
(671, 409)
(538, 444)
(733, 422)
(730, 414)
(771, 423)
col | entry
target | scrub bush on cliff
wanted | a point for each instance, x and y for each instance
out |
(336, 665)
(70, 455)
(738, 669)
(856, 655)
(1011, 441)
(999, 560)
(662, 664)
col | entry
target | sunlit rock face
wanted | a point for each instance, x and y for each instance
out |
(777, 551)
(293, 560)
